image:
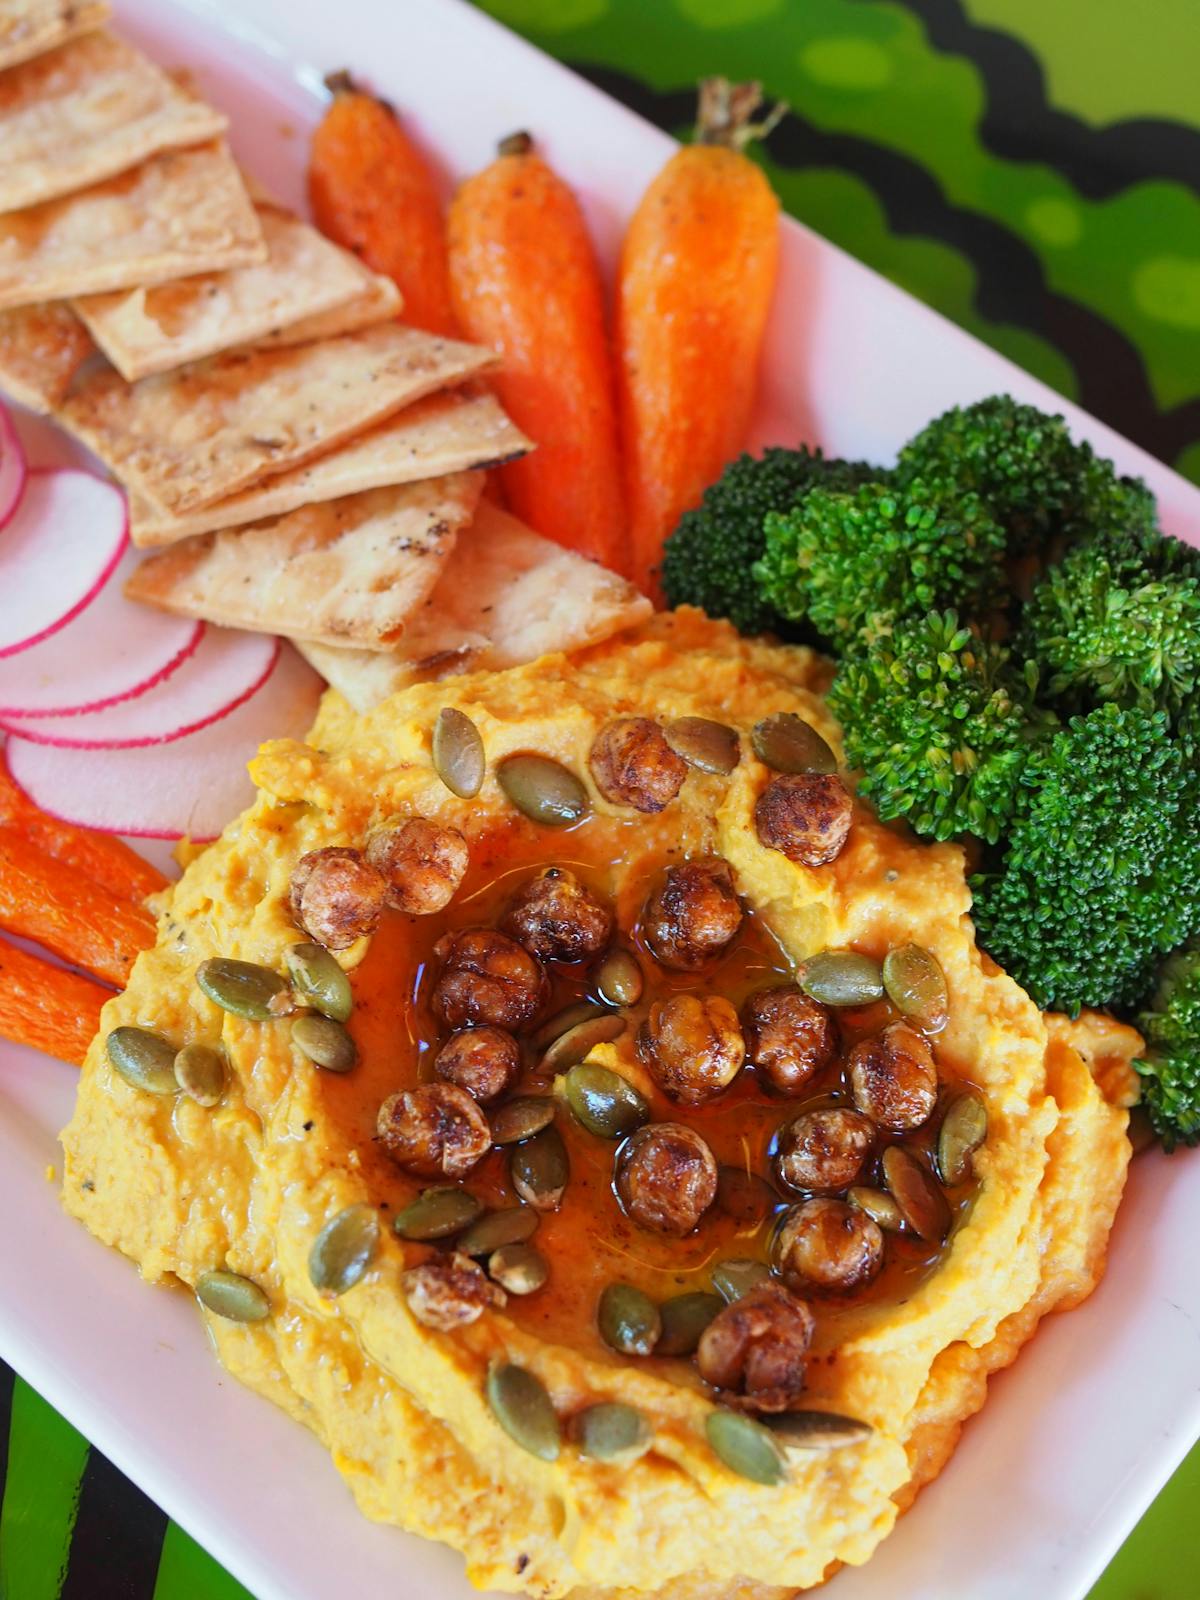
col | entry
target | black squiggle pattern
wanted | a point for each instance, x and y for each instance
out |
(117, 1540)
(1011, 284)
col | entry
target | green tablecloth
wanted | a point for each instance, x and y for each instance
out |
(1031, 168)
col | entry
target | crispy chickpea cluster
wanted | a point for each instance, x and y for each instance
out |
(556, 918)
(693, 916)
(754, 1352)
(633, 765)
(487, 978)
(805, 816)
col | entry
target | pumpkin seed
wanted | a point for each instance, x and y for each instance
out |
(200, 1073)
(241, 987)
(563, 1021)
(916, 986)
(540, 1170)
(437, 1214)
(786, 743)
(325, 1042)
(604, 1102)
(543, 790)
(619, 978)
(229, 1295)
(519, 1268)
(878, 1205)
(144, 1059)
(319, 980)
(922, 1204)
(842, 978)
(521, 1118)
(343, 1250)
(512, 1225)
(575, 1044)
(684, 1319)
(522, 1407)
(737, 1276)
(818, 1430)
(612, 1431)
(458, 754)
(745, 1196)
(628, 1319)
(710, 746)
(963, 1130)
(746, 1447)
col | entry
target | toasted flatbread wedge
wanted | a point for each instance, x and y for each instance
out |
(506, 596)
(179, 213)
(28, 27)
(144, 331)
(444, 433)
(377, 300)
(188, 438)
(86, 111)
(41, 350)
(350, 571)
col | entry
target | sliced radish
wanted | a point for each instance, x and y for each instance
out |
(111, 651)
(191, 787)
(12, 468)
(223, 671)
(61, 546)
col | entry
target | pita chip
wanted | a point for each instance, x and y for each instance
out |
(86, 111)
(350, 571)
(505, 597)
(29, 27)
(145, 331)
(41, 350)
(186, 439)
(444, 433)
(179, 213)
(377, 300)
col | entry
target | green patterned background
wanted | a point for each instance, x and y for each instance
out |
(1029, 167)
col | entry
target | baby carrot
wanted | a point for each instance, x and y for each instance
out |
(47, 1008)
(694, 287)
(106, 860)
(526, 282)
(57, 906)
(371, 190)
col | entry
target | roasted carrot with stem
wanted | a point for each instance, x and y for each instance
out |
(46, 1008)
(371, 190)
(55, 905)
(526, 282)
(696, 276)
(109, 862)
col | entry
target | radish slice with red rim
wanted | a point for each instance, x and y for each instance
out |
(222, 672)
(111, 651)
(12, 468)
(61, 546)
(192, 787)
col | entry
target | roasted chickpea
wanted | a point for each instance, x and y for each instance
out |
(421, 862)
(693, 915)
(557, 919)
(336, 896)
(823, 1150)
(692, 1046)
(435, 1130)
(633, 765)
(666, 1177)
(487, 977)
(894, 1079)
(449, 1292)
(825, 1244)
(754, 1350)
(805, 815)
(486, 1062)
(789, 1038)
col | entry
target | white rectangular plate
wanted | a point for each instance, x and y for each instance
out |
(1081, 1434)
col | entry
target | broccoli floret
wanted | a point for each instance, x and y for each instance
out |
(1038, 481)
(1118, 619)
(940, 722)
(849, 562)
(707, 561)
(1101, 874)
(1170, 1068)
